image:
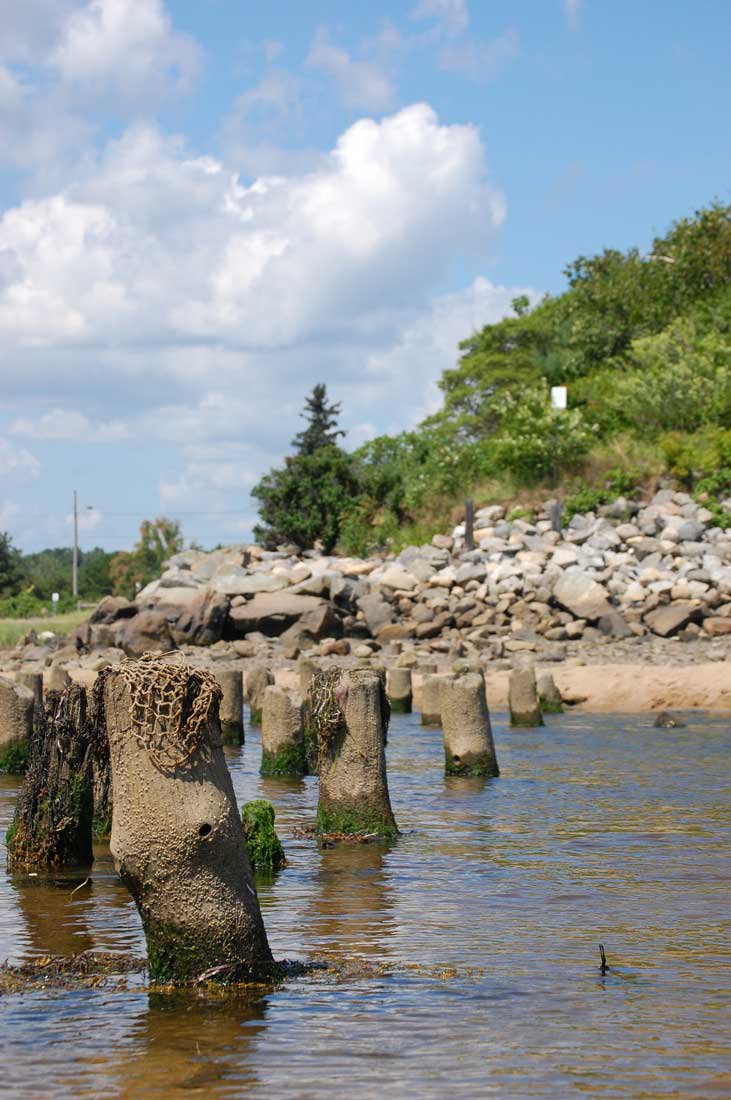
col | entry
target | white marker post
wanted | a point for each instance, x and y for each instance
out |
(558, 397)
(54, 601)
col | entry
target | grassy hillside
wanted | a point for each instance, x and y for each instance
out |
(643, 345)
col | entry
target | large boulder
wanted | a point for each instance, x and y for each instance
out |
(377, 612)
(200, 620)
(314, 625)
(147, 632)
(271, 613)
(112, 608)
(580, 594)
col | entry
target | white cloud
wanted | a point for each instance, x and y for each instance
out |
(31, 27)
(154, 245)
(452, 15)
(60, 424)
(361, 84)
(17, 466)
(156, 297)
(126, 47)
(410, 368)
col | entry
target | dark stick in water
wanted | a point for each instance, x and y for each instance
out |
(605, 966)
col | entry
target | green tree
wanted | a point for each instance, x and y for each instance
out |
(94, 576)
(302, 502)
(10, 569)
(502, 355)
(322, 419)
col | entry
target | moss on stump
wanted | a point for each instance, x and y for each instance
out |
(264, 846)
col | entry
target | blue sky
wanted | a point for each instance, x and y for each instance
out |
(206, 208)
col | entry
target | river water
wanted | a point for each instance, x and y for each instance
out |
(480, 925)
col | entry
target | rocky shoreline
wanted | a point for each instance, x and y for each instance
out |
(633, 585)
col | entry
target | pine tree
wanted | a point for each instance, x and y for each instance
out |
(321, 420)
(303, 501)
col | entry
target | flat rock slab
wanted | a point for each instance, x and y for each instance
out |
(237, 582)
(580, 594)
(669, 619)
(270, 612)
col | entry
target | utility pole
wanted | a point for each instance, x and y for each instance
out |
(75, 557)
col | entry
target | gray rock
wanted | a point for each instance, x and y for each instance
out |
(376, 612)
(112, 608)
(270, 612)
(614, 625)
(690, 531)
(669, 619)
(237, 582)
(581, 595)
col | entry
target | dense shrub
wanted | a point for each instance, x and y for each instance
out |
(535, 440)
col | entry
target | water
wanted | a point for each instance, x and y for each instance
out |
(481, 926)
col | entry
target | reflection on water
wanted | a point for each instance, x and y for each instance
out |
(486, 913)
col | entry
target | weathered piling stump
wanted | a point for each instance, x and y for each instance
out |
(52, 827)
(549, 695)
(429, 696)
(282, 735)
(231, 683)
(17, 705)
(177, 838)
(399, 690)
(56, 678)
(306, 669)
(258, 679)
(525, 709)
(350, 712)
(266, 853)
(34, 681)
(468, 745)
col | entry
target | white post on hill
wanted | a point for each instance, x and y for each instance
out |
(558, 397)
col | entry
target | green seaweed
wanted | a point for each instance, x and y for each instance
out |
(232, 733)
(290, 760)
(352, 822)
(264, 846)
(401, 706)
(14, 758)
(472, 766)
(254, 716)
(176, 955)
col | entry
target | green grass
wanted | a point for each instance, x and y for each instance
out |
(12, 630)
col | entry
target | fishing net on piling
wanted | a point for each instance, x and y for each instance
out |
(170, 707)
(325, 703)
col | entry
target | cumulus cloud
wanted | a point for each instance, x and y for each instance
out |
(30, 28)
(360, 84)
(17, 466)
(125, 47)
(431, 340)
(157, 245)
(159, 298)
(60, 424)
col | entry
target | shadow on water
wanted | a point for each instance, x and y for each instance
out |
(185, 1044)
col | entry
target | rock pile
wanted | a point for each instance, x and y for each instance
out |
(655, 570)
